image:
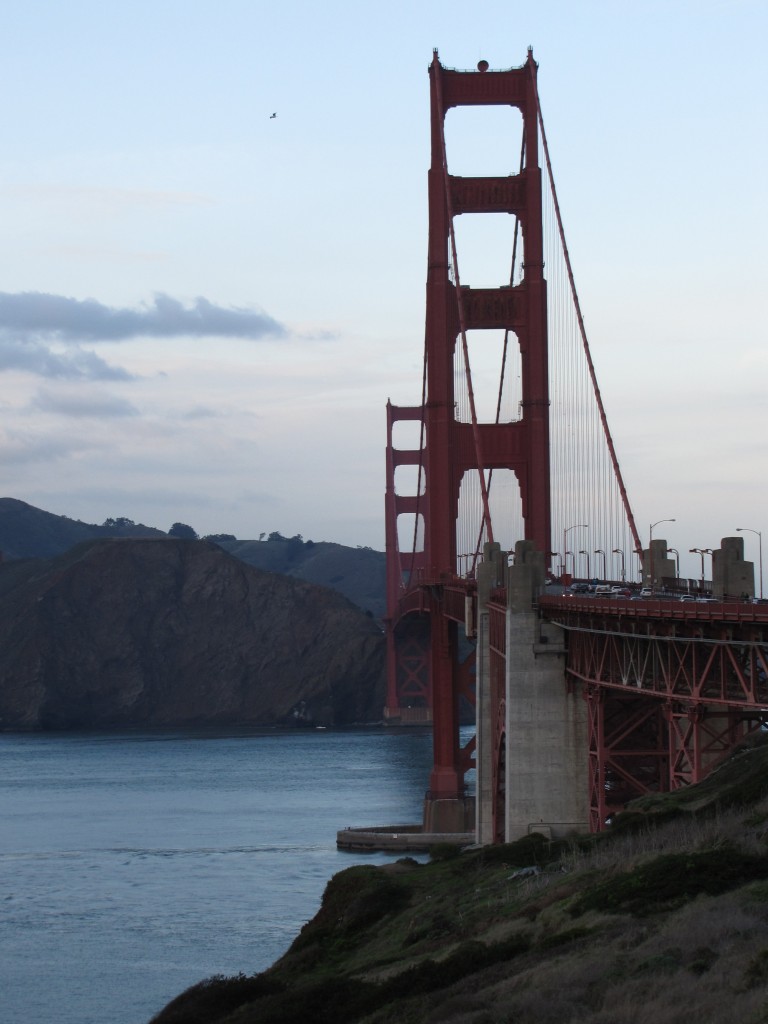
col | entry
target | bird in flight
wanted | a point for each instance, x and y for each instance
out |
(271, 116)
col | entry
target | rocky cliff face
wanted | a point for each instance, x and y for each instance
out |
(161, 632)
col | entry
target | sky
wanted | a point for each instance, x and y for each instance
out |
(204, 308)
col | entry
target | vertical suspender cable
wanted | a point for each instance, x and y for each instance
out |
(511, 281)
(582, 330)
(505, 348)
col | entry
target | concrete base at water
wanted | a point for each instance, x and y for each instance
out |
(532, 735)
(398, 838)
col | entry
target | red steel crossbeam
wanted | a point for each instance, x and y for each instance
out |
(627, 751)
(689, 669)
(701, 736)
(713, 654)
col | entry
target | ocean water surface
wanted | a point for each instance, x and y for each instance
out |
(134, 865)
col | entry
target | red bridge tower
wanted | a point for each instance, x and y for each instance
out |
(424, 667)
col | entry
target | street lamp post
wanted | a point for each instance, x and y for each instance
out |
(599, 551)
(676, 553)
(746, 529)
(650, 547)
(702, 552)
(639, 553)
(553, 555)
(589, 571)
(620, 551)
(566, 531)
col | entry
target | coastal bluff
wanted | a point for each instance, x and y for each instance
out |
(660, 919)
(162, 632)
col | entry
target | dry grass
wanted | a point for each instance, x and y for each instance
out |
(707, 963)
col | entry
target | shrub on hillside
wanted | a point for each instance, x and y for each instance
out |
(215, 997)
(671, 880)
(444, 851)
(353, 900)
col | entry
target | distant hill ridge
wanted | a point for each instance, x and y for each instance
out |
(357, 573)
(29, 532)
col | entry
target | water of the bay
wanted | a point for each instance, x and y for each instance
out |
(134, 865)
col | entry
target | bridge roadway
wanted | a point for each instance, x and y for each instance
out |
(693, 651)
(689, 651)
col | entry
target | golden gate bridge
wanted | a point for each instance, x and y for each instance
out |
(581, 702)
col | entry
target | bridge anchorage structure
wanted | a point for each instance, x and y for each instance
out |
(503, 477)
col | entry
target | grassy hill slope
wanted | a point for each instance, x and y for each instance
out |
(661, 920)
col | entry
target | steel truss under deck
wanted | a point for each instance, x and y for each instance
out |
(667, 700)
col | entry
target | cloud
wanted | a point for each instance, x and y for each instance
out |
(28, 316)
(201, 412)
(26, 449)
(75, 364)
(83, 405)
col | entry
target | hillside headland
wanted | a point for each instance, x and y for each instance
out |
(661, 920)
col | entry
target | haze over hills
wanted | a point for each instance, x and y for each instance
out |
(357, 573)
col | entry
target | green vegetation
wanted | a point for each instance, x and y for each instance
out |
(661, 920)
(182, 532)
(673, 879)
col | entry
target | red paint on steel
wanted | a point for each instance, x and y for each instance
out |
(671, 688)
(449, 449)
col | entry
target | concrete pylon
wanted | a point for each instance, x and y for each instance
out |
(657, 567)
(546, 725)
(731, 575)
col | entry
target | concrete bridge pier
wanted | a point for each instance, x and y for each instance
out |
(544, 759)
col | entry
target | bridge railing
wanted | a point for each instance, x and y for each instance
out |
(662, 607)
